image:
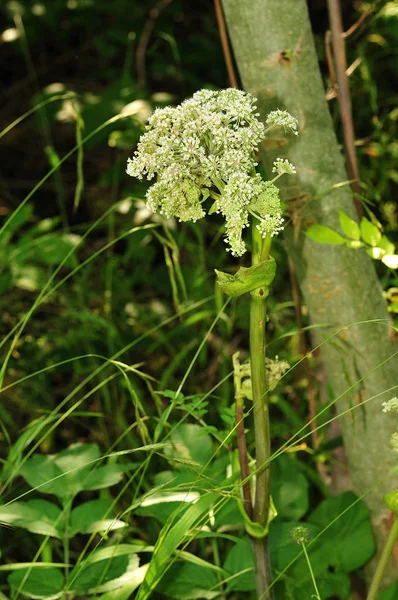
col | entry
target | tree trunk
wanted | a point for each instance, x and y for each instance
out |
(275, 53)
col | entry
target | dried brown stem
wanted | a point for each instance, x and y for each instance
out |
(233, 82)
(242, 451)
(361, 19)
(344, 98)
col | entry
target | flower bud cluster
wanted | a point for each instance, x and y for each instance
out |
(204, 148)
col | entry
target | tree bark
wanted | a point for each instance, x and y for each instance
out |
(275, 53)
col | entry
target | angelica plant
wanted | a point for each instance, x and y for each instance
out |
(203, 156)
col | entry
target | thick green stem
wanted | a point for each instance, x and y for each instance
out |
(383, 561)
(261, 420)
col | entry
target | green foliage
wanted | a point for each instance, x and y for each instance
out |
(331, 562)
(367, 234)
(25, 259)
(65, 475)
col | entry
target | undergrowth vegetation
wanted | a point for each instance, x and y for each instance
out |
(121, 471)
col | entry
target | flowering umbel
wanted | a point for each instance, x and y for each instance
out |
(205, 148)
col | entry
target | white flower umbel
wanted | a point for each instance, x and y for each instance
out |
(281, 118)
(390, 405)
(205, 148)
(282, 166)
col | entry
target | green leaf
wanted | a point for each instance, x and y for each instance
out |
(297, 581)
(386, 245)
(190, 582)
(63, 474)
(102, 576)
(349, 226)
(104, 477)
(17, 219)
(390, 260)
(370, 234)
(94, 516)
(240, 564)
(190, 443)
(15, 455)
(324, 235)
(38, 583)
(353, 530)
(247, 279)
(391, 593)
(37, 516)
(50, 249)
(174, 532)
(41, 472)
(289, 488)
(124, 592)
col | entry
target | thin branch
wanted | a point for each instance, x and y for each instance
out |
(142, 45)
(343, 95)
(360, 20)
(233, 82)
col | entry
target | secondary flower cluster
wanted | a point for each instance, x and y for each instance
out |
(205, 148)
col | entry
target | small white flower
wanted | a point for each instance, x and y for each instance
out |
(282, 166)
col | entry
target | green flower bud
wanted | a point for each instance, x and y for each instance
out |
(300, 535)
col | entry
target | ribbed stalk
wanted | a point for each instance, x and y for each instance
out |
(261, 420)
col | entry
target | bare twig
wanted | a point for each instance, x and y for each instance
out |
(142, 45)
(343, 95)
(233, 82)
(361, 19)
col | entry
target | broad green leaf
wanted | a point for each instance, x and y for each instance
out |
(390, 260)
(174, 533)
(370, 234)
(190, 582)
(190, 443)
(353, 530)
(247, 279)
(289, 488)
(64, 474)
(37, 516)
(324, 235)
(41, 472)
(94, 516)
(297, 581)
(104, 477)
(349, 226)
(240, 564)
(102, 576)
(50, 249)
(38, 583)
(386, 245)
(124, 592)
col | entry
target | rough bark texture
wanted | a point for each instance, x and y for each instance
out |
(274, 49)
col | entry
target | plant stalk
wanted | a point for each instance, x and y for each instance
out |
(261, 420)
(382, 564)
